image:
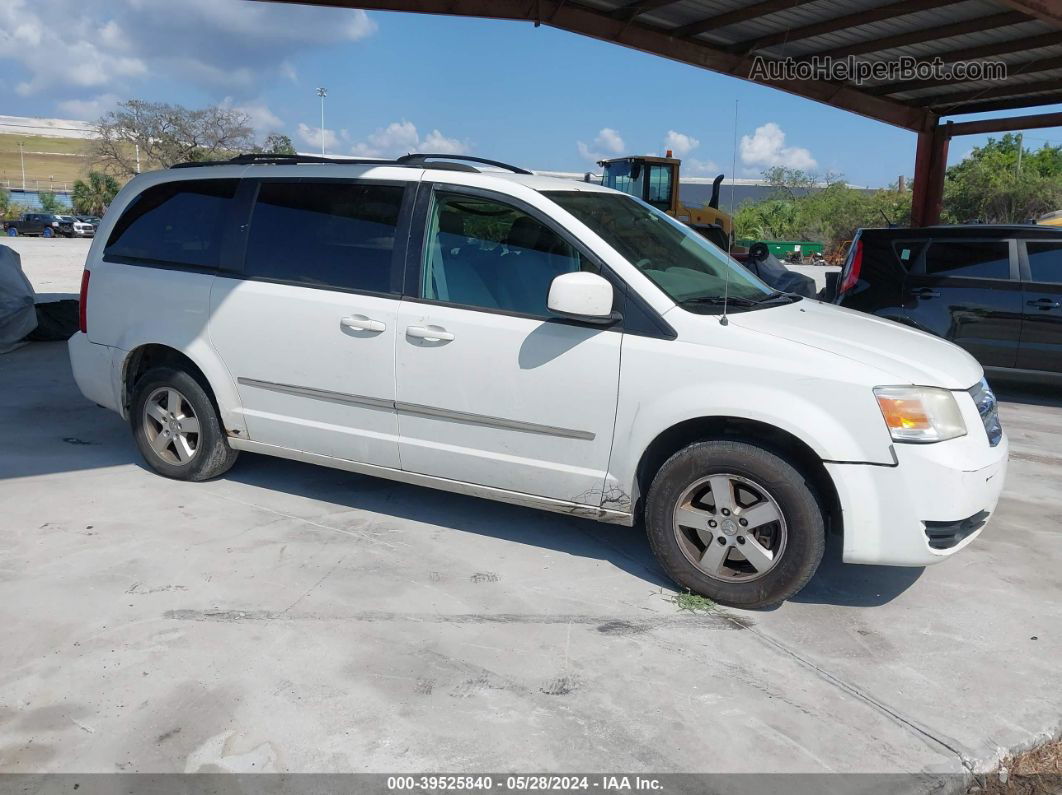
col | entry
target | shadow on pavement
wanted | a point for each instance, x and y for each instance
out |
(51, 428)
(851, 585)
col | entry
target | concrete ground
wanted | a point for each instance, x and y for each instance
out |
(53, 265)
(293, 618)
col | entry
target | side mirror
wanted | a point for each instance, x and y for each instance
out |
(581, 296)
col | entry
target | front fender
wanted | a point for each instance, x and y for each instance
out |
(844, 430)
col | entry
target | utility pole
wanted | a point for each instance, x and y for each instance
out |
(22, 158)
(322, 93)
(1019, 154)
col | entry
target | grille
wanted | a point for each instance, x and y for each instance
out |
(945, 535)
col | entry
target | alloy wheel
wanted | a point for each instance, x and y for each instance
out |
(171, 426)
(730, 527)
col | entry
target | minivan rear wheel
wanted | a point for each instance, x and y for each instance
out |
(735, 522)
(176, 426)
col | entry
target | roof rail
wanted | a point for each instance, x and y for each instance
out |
(268, 158)
(414, 160)
(419, 159)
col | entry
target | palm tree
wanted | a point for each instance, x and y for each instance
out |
(92, 197)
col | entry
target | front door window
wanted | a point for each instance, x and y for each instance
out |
(481, 253)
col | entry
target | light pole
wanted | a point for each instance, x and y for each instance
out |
(22, 159)
(136, 134)
(322, 93)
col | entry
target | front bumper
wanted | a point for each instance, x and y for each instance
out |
(934, 502)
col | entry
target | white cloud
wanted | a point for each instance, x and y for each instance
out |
(438, 143)
(88, 109)
(59, 48)
(312, 137)
(259, 116)
(680, 143)
(607, 143)
(766, 148)
(401, 137)
(700, 168)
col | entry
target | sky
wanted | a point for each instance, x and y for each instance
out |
(537, 97)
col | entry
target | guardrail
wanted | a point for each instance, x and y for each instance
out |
(35, 185)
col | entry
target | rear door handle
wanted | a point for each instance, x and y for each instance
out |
(1044, 303)
(429, 333)
(925, 292)
(362, 323)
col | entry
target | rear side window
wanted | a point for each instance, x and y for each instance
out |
(1045, 262)
(325, 234)
(978, 259)
(176, 223)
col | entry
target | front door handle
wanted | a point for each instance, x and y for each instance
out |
(362, 323)
(925, 292)
(429, 333)
(1044, 304)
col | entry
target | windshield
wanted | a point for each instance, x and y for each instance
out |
(621, 176)
(679, 261)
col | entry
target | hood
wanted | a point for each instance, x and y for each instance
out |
(909, 356)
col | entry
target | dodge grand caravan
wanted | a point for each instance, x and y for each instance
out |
(994, 290)
(549, 343)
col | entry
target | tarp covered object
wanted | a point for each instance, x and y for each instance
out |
(18, 317)
(765, 265)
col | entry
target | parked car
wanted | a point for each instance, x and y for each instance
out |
(43, 224)
(994, 290)
(73, 226)
(538, 341)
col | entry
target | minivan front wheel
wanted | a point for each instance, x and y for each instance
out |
(736, 523)
(177, 428)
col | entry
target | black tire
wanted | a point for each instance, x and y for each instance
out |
(802, 526)
(212, 455)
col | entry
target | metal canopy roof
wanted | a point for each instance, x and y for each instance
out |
(727, 36)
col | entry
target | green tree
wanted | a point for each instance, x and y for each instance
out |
(5, 203)
(993, 184)
(823, 210)
(140, 135)
(94, 196)
(789, 182)
(277, 144)
(50, 202)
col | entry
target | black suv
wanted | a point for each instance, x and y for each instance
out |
(994, 290)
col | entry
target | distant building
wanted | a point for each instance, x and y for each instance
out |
(31, 199)
(51, 128)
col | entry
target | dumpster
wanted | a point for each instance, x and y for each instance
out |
(787, 249)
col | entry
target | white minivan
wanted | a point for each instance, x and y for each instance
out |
(545, 342)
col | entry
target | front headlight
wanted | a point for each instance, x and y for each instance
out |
(920, 413)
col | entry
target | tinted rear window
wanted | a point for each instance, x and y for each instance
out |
(908, 252)
(979, 259)
(179, 223)
(1045, 262)
(325, 234)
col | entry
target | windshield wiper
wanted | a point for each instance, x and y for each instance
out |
(778, 295)
(735, 300)
(718, 300)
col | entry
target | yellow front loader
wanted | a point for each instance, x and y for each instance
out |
(656, 181)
